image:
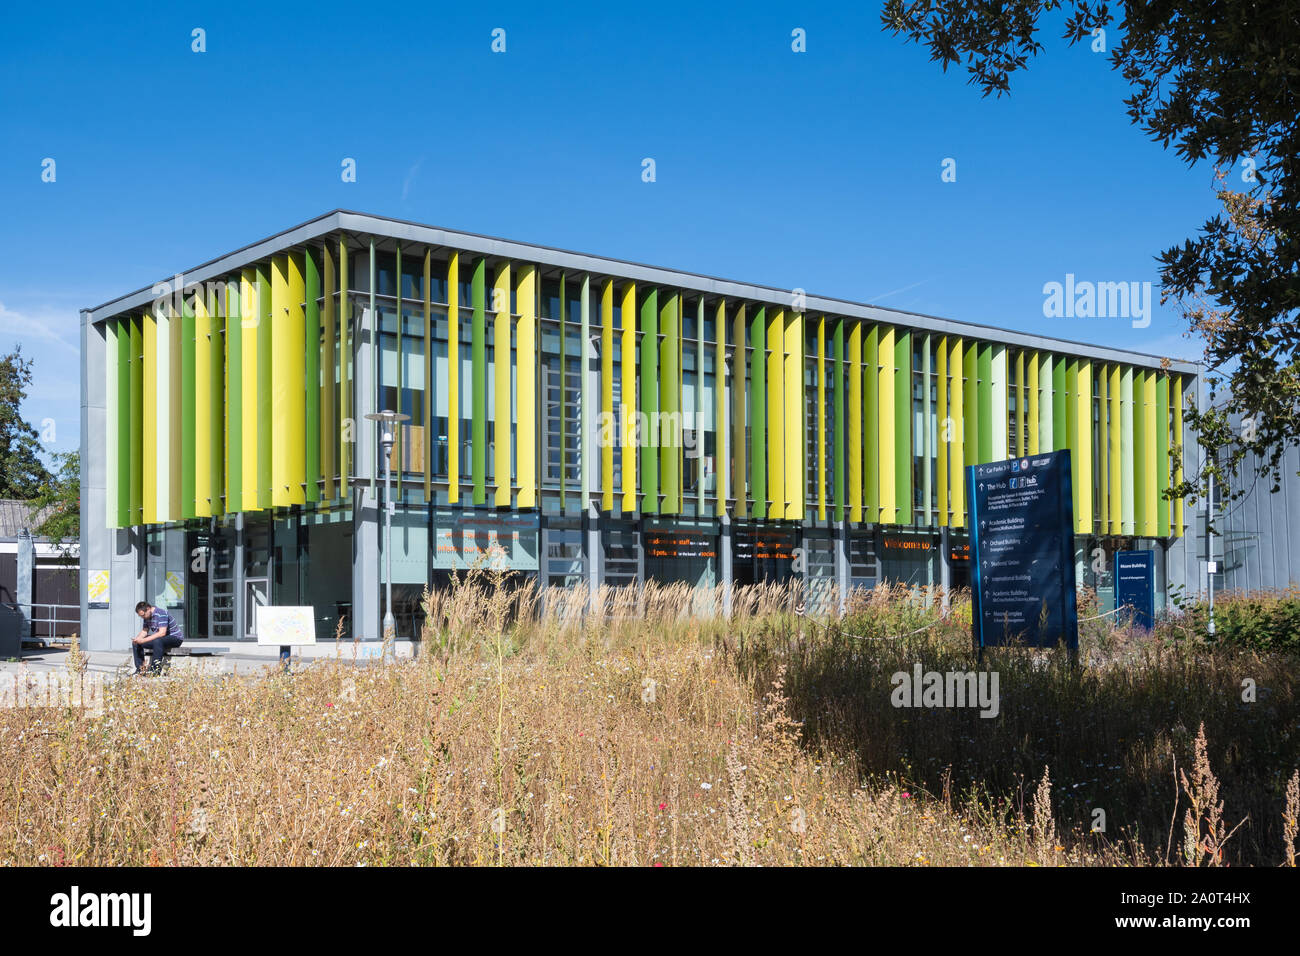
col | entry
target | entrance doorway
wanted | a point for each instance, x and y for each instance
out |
(257, 593)
(225, 596)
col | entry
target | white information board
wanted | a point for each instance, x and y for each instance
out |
(285, 625)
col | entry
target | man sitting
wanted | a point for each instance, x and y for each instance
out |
(161, 632)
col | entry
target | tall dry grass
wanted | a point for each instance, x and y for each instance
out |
(621, 727)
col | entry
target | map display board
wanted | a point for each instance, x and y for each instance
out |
(1022, 541)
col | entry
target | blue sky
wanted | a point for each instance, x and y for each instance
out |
(818, 170)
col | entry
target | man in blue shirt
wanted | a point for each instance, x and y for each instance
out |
(161, 631)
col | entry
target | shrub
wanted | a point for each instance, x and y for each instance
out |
(1265, 620)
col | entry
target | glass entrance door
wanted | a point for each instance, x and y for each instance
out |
(257, 593)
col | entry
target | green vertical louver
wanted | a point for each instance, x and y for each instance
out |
(126, 424)
(903, 425)
(187, 429)
(758, 411)
(264, 385)
(216, 409)
(478, 382)
(234, 398)
(649, 372)
(1162, 455)
(872, 453)
(1141, 452)
(984, 391)
(970, 404)
(670, 444)
(837, 387)
(311, 371)
(739, 421)
(1060, 398)
(137, 420)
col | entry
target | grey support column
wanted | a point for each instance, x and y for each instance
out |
(119, 552)
(589, 378)
(367, 399)
(238, 574)
(543, 548)
(592, 556)
(878, 549)
(23, 585)
(840, 536)
(945, 566)
(589, 448)
(365, 564)
(927, 435)
(725, 564)
(365, 624)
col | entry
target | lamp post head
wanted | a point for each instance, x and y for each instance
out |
(389, 416)
(389, 419)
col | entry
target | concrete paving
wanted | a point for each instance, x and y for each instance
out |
(223, 657)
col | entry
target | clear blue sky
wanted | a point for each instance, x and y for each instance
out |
(819, 170)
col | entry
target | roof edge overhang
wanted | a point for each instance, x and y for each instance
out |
(342, 220)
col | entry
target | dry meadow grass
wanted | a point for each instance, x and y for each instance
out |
(646, 734)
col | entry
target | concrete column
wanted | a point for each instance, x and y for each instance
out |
(591, 551)
(26, 568)
(840, 538)
(590, 379)
(725, 565)
(366, 516)
(238, 573)
(365, 565)
(543, 548)
(927, 434)
(878, 546)
(1160, 577)
(101, 628)
(113, 627)
(945, 566)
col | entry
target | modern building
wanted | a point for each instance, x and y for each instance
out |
(38, 580)
(1257, 532)
(601, 421)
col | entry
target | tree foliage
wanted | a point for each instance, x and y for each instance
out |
(62, 497)
(1217, 81)
(22, 473)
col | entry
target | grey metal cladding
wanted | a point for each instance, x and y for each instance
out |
(491, 246)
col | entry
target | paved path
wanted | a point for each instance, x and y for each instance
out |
(231, 656)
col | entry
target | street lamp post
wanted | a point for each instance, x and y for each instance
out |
(389, 420)
(1209, 533)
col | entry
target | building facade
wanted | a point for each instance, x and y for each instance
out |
(580, 419)
(1257, 532)
(38, 580)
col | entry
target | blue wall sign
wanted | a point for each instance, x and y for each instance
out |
(1135, 587)
(1021, 517)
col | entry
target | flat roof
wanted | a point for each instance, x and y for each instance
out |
(399, 229)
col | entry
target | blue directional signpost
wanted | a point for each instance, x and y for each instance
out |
(1135, 587)
(1021, 516)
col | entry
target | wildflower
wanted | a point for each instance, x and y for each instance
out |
(706, 786)
(663, 806)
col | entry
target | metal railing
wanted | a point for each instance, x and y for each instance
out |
(46, 621)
